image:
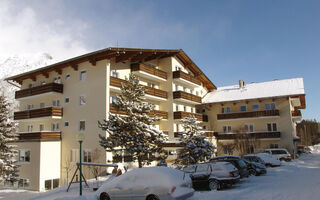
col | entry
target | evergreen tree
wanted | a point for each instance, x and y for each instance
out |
(133, 132)
(8, 153)
(195, 148)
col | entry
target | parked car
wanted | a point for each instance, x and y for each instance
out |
(149, 183)
(212, 176)
(269, 160)
(236, 161)
(255, 169)
(254, 158)
(281, 154)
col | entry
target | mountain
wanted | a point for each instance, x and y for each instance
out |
(18, 64)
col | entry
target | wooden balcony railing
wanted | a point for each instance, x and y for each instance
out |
(182, 114)
(36, 113)
(255, 135)
(263, 113)
(206, 134)
(148, 69)
(185, 76)
(158, 113)
(42, 135)
(186, 96)
(116, 82)
(50, 87)
(296, 113)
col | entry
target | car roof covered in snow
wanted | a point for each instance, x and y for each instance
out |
(261, 90)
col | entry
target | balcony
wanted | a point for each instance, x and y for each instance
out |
(149, 72)
(39, 136)
(43, 89)
(186, 97)
(296, 115)
(185, 78)
(244, 136)
(49, 112)
(157, 113)
(182, 114)
(205, 134)
(253, 114)
(151, 93)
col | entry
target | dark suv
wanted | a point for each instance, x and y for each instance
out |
(236, 161)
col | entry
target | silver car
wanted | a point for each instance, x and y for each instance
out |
(149, 183)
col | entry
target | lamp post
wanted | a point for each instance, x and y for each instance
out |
(80, 138)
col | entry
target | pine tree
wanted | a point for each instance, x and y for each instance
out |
(195, 148)
(133, 132)
(8, 153)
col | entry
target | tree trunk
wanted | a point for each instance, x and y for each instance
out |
(140, 161)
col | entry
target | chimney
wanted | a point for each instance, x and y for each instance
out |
(241, 84)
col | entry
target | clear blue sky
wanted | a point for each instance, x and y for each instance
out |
(229, 40)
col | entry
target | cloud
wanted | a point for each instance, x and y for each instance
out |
(23, 32)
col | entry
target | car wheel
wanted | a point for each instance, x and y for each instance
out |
(152, 197)
(214, 184)
(104, 196)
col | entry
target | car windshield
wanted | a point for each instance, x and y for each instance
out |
(242, 164)
(279, 152)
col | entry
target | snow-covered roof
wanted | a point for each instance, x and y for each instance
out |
(276, 88)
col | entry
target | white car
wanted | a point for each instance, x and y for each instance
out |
(269, 160)
(149, 183)
(281, 154)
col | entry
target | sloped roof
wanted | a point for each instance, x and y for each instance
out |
(269, 89)
(120, 55)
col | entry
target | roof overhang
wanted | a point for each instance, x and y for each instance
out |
(120, 55)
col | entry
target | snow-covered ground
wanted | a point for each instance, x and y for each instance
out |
(296, 180)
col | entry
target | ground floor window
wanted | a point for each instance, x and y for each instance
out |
(23, 183)
(51, 184)
(274, 146)
(87, 156)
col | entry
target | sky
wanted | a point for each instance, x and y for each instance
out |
(229, 40)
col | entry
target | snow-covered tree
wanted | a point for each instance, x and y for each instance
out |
(133, 132)
(8, 165)
(195, 148)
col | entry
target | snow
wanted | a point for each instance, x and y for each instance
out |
(276, 88)
(294, 180)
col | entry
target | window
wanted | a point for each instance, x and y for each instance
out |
(82, 100)
(177, 127)
(56, 102)
(177, 107)
(185, 108)
(24, 155)
(243, 108)
(178, 68)
(113, 99)
(176, 87)
(255, 106)
(31, 85)
(274, 146)
(117, 156)
(30, 128)
(197, 93)
(51, 184)
(249, 128)
(67, 77)
(42, 105)
(57, 79)
(115, 74)
(225, 109)
(204, 127)
(270, 106)
(193, 110)
(41, 127)
(272, 127)
(74, 155)
(227, 129)
(55, 126)
(83, 75)
(152, 85)
(191, 91)
(66, 124)
(30, 106)
(66, 100)
(42, 82)
(23, 183)
(185, 89)
(82, 126)
(87, 156)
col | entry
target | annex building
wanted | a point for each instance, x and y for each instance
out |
(59, 101)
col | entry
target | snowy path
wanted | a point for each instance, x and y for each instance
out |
(297, 180)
